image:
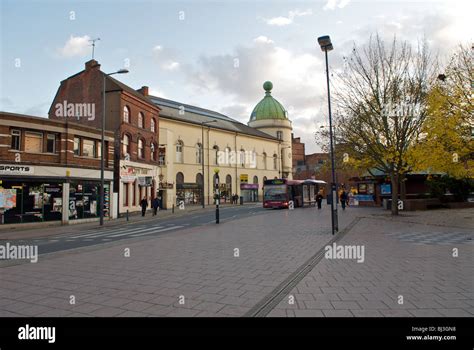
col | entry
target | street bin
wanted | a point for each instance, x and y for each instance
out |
(241, 200)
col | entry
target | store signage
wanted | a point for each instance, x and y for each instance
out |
(144, 181)
(249, 186)
(244, 178)
(10, 169)
(166, 186)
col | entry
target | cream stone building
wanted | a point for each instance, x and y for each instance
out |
(192, 139)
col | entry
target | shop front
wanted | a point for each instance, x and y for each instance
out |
(188, 193)
(249, 192)
(30, 196)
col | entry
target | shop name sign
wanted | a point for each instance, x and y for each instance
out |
(7, 169)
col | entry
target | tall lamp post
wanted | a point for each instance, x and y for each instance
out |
(326, 45)
(202, 158)
(102, 148)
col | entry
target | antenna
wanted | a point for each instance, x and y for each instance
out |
(93, 45)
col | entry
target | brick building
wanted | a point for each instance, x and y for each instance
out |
(50, 170)
(133, 119)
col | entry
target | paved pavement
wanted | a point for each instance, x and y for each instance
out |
(253, 266)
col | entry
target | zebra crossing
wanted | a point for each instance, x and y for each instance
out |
(125, 232)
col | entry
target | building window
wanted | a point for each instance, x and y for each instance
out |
(154, 151)
(140, 120)
(141, 153)
(179, 152)
(33, 142)
(77, 146)
(88, 148)
(275, 162)
(280, 135)
(216, 154)
(242, 158)
(264, 156)
(162, 156)
(126, 145)
(125, 194)
(51, 143)
(126, 114)
(153, 125)
(199, 153)
(16, 137)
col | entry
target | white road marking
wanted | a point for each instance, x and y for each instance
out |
(149, 233)
(135, 231)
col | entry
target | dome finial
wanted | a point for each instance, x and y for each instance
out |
(268, 86)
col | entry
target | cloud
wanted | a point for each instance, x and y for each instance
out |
(166, 58)
(76, 46)
(283, 21)
(332, 4)
(298, 82)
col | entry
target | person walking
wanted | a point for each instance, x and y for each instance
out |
(343, 199)
(155, 204)
(144, 205)
(319, 199)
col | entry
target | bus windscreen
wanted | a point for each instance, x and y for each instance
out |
(274, 193)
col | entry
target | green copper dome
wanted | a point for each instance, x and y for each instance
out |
(268, 107)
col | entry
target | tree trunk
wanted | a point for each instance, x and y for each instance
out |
(394, 177)
(403, 188)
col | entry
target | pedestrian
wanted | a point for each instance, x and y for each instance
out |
(343, 199)
(319, 199)
(144, 205)
(155, 204)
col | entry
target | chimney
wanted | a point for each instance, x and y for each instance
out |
(92, 64)
(143, 90)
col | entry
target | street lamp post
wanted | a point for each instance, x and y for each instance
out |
(102, 147)
(202, 158)
(326, 45)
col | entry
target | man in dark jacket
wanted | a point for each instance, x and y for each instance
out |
(144, 205)
(155, 203)
(343, 199)
(319, 199)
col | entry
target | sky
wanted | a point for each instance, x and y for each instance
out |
(212, 54)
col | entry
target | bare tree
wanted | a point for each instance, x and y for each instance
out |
(381, 96)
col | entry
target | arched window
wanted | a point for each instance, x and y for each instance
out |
(228, 185)
(275, 162)
(141, 119)
(199, 179)
(153, 125)
(179, 151)
(264, 179)
(141, 149)
(154, 151)
(255, 180)
(126, 114)
(199, 153)
(126, 144)
(179, 178)
(264, 156)
(216, 154)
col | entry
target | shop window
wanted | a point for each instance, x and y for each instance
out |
(88, 148)
(125, 194)
(77, 146)
(179, 152)
(141, 120)
(33, 142)
(51, 143)
(126, 114)
(16, 137)
(141, 153)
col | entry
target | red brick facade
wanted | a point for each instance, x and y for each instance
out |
(63, 133)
